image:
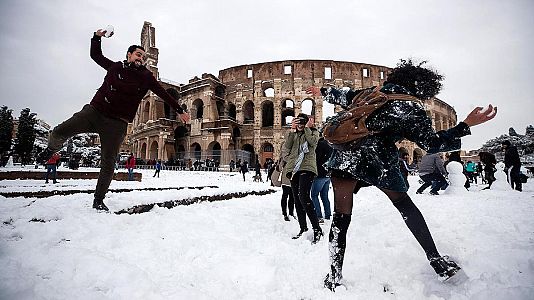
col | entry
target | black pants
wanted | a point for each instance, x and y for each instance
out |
(156, 173)
(429, 178)
(301, 185)
(287, 194)
(514, 179)
(111, 131)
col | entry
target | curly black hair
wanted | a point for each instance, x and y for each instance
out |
(423, 83)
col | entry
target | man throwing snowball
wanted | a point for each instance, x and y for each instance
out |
(113, 106)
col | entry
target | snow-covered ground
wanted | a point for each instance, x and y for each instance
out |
(242, 248)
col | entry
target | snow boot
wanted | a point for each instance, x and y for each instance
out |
(286, 218)
(444, 267)
(317, 234)
(300, 233)
(337, 242)
(98, 204)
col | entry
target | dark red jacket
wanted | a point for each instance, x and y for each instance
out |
(124, 86)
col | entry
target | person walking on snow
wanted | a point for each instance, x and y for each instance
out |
(512, 165)
(51, 167)
(113, 106)
(373, 160)
(158, 168)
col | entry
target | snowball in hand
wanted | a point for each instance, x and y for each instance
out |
(109, 31)
(486, 109)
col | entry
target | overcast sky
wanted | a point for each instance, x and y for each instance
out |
(484, 48)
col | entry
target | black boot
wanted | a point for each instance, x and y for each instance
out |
(317, 234)
(444, 267)
(300, 233)
(98, 204)
(337, 242)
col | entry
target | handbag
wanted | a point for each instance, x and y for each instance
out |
(276, 178)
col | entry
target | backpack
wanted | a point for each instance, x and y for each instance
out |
(347, 129)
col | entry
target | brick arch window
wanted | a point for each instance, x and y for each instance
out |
(267, 114)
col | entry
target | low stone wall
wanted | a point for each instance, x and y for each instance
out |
(13, 175)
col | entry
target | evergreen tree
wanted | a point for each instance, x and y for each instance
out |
(25, 136)
(6, 129)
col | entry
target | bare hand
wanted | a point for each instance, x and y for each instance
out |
(185, 118)
(477, 116)
(310, 123)
(102, 32)
(313, 90)
(294, 123)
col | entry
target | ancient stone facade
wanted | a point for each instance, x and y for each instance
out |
(247, 109)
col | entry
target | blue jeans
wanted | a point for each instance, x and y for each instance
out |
(51, 169)
(320, 186)
(130, 174)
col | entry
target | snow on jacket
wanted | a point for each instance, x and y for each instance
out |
(293, 145)
(375, 161)
(124, 86)
(431, 163)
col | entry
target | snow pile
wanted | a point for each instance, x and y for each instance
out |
(242, 248)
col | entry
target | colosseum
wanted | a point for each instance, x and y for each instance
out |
(244, 112)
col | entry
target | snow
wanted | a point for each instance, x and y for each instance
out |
(242, 248)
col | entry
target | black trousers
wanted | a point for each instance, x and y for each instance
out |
(287, 194)
(112, 132)
(301, 184)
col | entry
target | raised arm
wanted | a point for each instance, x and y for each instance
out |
(96, 50)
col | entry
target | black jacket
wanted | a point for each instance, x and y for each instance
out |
(124, 87)
(511, 157)
(322, 154)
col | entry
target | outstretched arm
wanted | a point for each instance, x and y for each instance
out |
(96, 50)
(158, 90)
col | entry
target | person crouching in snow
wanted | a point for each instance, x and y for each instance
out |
(374, 159)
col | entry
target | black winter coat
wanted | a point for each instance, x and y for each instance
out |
(511, 157)
(322, 155)
(375, 161)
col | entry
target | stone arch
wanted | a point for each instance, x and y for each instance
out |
(251, 158)
(215, 150)
(220, 109)
(170, 113)
(248, 112)
(146, 112)
(267, 114)
(267, 151)
(307, 106)
(196, 151)
(219, 91)
(180, 132)
(143, 151)
(198, 106)
(154, 147)
(180, 151)
(288, 110)
(267, 89)
(232, 112)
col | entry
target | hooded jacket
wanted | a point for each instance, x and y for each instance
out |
(293, 144)
(124, 86)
